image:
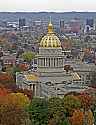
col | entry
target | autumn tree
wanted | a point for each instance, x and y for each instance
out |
(23, 67)
(77, 118)
(26, 92)
(12, 109)
(3, 91)
(18, 99)
(71, 103)
(86, 100)
(13, 115)
(89, 119)
(6, 78)
(86, 103)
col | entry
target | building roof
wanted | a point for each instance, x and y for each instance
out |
(31, 77)
(75, 76)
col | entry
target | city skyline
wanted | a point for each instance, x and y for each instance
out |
(47, 5)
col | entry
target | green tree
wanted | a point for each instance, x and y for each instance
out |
(56, 110)
(28, 56)
(38, 111)
(65, 122)
(14, 70)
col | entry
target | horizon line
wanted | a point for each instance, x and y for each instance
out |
(46, 11)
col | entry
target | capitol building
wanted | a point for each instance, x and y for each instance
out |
(51, 79)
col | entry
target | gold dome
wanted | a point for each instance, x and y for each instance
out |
(50, 40)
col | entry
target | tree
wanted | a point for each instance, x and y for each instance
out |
(71, 103)
(3, 91)
(18, 99)
(38, 111)
(27, 92)
(12, 109)
(13, 115)
(28, 56)
(86, 103)
(6, 78)
(68, 68)
(86, 100)
(56, 110)
(77, 118)
(23, 67)
(14, 70)
(89, 119)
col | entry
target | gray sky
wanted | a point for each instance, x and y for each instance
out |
(48, 5)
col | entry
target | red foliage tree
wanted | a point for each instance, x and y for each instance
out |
(3, 91)
(6, 78)
(23, 67)
(86, 100)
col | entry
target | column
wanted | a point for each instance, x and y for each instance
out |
(54, 63)
(51, 62)
(45, 62)
(57, 63)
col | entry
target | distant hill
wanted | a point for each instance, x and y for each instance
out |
(14, 16)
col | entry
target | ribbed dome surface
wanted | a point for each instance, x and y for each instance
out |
(50, 40)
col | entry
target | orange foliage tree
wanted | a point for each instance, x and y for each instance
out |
(77, 118)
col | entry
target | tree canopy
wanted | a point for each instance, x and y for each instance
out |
(28, 56)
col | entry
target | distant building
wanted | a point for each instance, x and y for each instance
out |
(75, 26)
(90, 22)
(89, 25)
(22, 22)
(3, 23)
(62, 26)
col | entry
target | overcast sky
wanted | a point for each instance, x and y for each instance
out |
(48, 5)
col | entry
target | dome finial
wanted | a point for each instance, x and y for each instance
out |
(50, 20)
(50, 26)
